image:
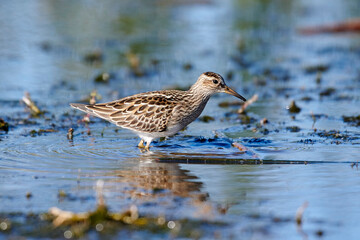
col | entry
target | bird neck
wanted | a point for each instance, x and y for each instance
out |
(198, 92)
(198, 95)
(192, 106)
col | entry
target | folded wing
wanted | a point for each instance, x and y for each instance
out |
(145, 112)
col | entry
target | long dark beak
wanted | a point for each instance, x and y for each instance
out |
(232, 92)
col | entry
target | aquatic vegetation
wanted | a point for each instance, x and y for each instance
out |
(134, 64)
(336, 135)
(293, 129)
(276, 74)
(327, 92)
(256, 141)
(353, 120)
(34, 110)
(94, 57)
(317, 68)
(229, 75)
(226, 104)
(34, 133)
(246, 119)
(57, 222)
(102, 223)
(4, 126)
(187, 66)
(103, 78)
(92, 97)
(240, 169)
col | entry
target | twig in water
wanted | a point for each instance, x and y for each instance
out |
(99, 192)
(34, 110)
(314, 119)
(248, 103)
(300, 212)
(70, 134)
(239, 146)
(298, 217)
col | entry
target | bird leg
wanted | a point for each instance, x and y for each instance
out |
(147, 147)
(141, 144)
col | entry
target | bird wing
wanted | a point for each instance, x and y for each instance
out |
(147, 112)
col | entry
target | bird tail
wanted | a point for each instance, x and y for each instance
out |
(90, 110)
(79, 106)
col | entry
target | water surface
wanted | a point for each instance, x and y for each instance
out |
(198, 174)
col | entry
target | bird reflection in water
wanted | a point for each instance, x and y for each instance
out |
(152, 183)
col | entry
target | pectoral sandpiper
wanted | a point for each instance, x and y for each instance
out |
(161, 113)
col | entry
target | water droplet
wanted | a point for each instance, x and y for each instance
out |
(99, 227)
(68, 234)
(3, 226)
(161, 220)
(171, 224)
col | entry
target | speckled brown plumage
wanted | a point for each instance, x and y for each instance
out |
(160, 113)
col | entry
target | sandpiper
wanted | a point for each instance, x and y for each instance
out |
(160, 113)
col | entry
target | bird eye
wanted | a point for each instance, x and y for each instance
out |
(215, 81)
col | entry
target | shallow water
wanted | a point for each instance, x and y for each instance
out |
(198, 174)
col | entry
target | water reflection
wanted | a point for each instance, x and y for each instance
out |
(159, 188)
(155, 177)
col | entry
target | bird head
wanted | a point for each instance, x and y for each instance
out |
(210, 83)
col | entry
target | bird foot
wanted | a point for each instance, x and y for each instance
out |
(146, 147)
(141, 144)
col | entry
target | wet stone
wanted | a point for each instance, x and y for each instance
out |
(327, 92)
(46, 46)
(94, 57)
(206, 119)
(229, 75)
(188, 66)
(307, 99)
(265, 131)
(277, 73)
(336, 135)
(28, 195)
(226, 104)
(256, 141)
(245, 119)
(293, 129)
(316, 68)
(4, 126)
(293, 108)
(34, 133)
(307, 141)
(319, 233)
(103, 77)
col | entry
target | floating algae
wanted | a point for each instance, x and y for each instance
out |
(353, 120)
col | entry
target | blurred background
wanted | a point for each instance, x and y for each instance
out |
(44, 43)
